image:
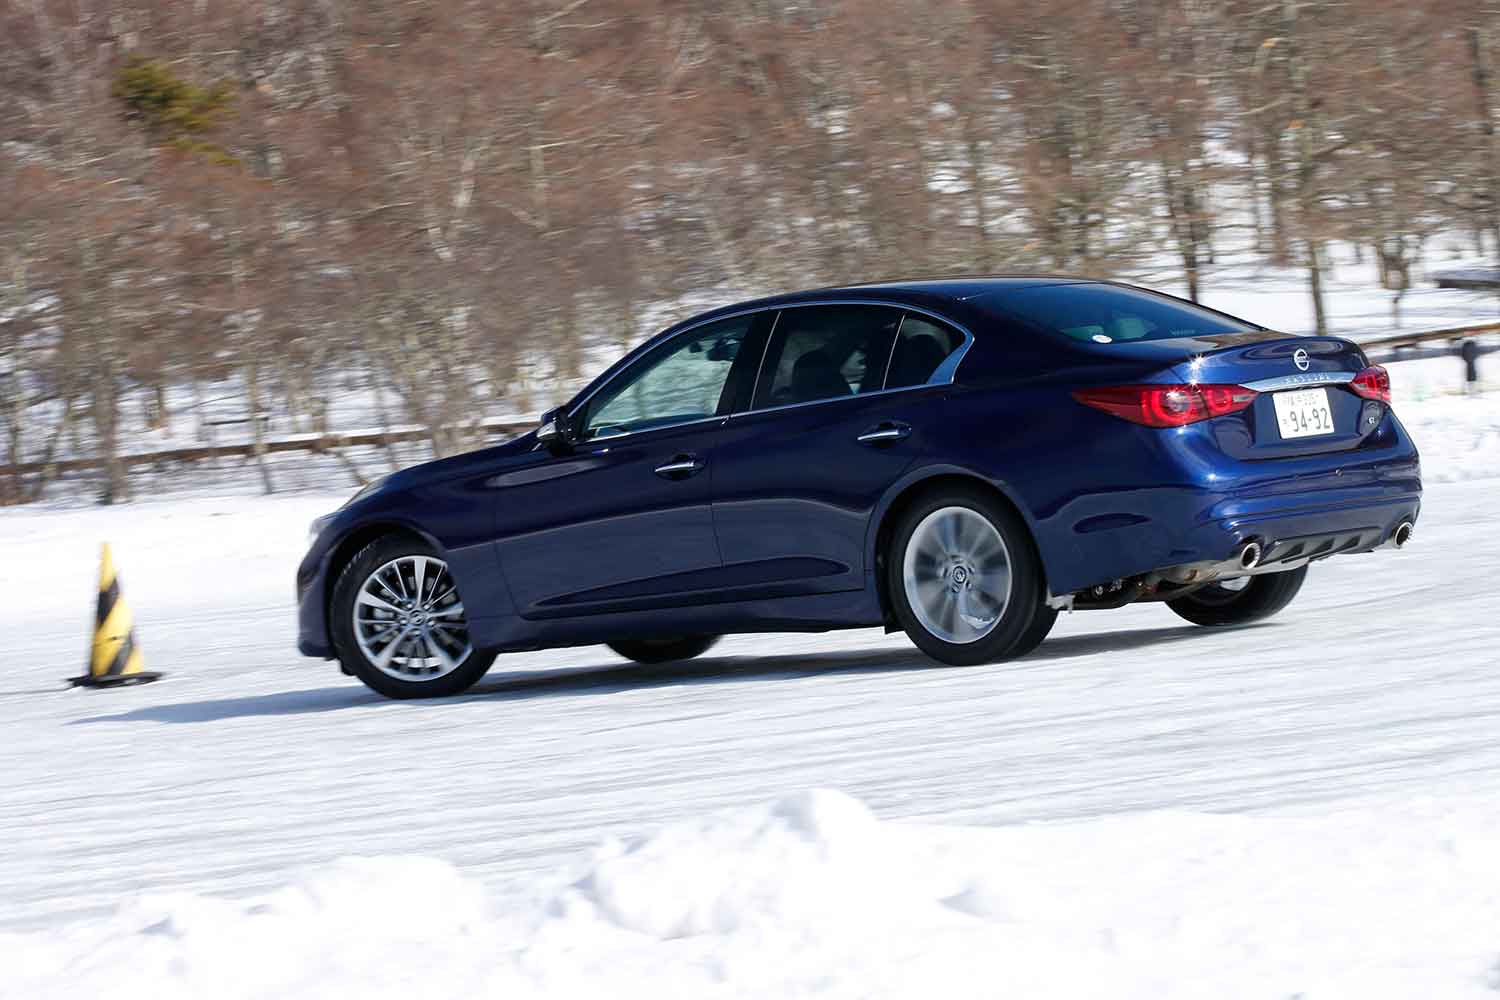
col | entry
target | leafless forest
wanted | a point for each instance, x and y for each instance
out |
(444, 205)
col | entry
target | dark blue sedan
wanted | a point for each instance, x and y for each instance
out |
(958, 459)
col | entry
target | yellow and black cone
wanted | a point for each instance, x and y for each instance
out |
(115, 659)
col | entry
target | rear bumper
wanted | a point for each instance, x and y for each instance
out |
(1308, 532)
(1207, 504)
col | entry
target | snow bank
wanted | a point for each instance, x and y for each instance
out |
(1458, 436)
(811, 895)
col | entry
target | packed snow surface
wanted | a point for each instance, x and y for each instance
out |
(1141, 808)
(811, 894)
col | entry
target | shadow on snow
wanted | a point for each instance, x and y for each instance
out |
(617, 677)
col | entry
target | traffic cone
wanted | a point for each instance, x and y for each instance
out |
(115, 659)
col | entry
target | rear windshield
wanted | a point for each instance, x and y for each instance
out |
(1108, 314)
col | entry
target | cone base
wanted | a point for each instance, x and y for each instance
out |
(114, 680)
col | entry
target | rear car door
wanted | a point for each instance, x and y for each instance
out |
(847, 397)
(622, 520)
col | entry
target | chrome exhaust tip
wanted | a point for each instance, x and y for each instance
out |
(1402, 534)
(1250, 554)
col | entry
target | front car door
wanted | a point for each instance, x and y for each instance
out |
(846, 399)
(622, 519)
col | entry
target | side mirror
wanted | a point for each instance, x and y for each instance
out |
(554, 432)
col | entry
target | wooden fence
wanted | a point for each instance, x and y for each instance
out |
(1416, 344)
(317, 443)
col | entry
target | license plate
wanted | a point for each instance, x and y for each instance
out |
(1303, 413)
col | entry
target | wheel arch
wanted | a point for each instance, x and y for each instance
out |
(353, 542)
(911, 490)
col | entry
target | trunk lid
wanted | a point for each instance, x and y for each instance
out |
(1304, 404)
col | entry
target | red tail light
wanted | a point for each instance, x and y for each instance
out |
(1167, 405)
(1373, 383)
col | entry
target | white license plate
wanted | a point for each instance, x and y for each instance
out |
(1303, 413)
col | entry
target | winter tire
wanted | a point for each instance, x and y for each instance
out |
(399, 624)
(1242, 600)
(964, 579)
(651, 651)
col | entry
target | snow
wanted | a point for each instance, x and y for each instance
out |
(811, 894)
(1141, 808)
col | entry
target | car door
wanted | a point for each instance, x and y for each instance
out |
(621, 518)
(847, 397)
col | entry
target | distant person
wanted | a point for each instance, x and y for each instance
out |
(1469, 351)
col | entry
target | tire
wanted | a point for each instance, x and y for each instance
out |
(378, 578)
(1041, 625)
(984, 619)
(651, 651)
(1219, 606)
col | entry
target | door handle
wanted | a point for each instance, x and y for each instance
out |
(680, 467)
(885, 433)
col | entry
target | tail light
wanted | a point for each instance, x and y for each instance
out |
(1373, 383)
(1167, 405)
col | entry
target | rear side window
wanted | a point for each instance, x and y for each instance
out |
(921, 348)
(1108, 314)
(826, 352)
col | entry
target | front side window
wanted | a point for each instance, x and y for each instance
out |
(826, 352)
(681, 382)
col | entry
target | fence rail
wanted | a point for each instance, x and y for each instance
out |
(317, 443)
(505, 426)
(1427, 336)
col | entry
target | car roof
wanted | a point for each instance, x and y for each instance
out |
(966, 287)
(914, 291)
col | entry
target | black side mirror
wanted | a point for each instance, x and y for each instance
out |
(555, 431)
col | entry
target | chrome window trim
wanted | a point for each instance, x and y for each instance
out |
(1301, 381)
(948, 369)
(835, 399)
(610, 438)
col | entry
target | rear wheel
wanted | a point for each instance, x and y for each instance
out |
(1242, 600)
(399, 624)
(1041, 625)
(664, 650)
(964, 579)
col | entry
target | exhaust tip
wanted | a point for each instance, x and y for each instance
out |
(1402, 534)
(1250, 555)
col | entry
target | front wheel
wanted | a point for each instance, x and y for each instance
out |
(965, 581)
(1242, 600)
(399, 624)
(651, 651)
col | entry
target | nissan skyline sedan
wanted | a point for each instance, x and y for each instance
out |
(957, 459)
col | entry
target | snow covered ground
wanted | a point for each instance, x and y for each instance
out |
(1141, 808)
(812, 895)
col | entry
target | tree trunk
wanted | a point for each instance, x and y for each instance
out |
(986, 258)
(1480, 75)
(1314, 250)
(257, 435)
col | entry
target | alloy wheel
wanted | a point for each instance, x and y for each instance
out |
(957, 574)
(408, 619)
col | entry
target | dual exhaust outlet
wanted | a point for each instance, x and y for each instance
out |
(1250, 553)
